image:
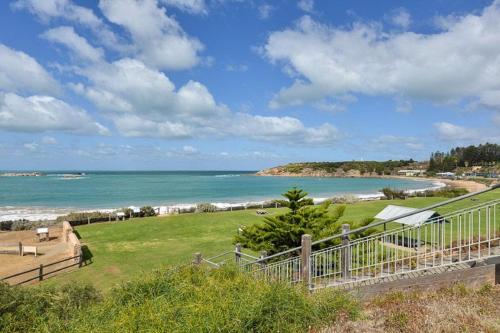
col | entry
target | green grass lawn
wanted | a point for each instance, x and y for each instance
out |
(122, 250)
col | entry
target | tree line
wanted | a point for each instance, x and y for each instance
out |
(483, 155)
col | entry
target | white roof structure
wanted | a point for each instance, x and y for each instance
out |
(392, 211)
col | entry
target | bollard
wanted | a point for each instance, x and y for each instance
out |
(346, 256)
(305, 254)
(197, 258)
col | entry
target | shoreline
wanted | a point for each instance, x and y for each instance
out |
(39, 213)
(469, 185)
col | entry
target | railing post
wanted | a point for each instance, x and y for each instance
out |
(346, 256)
(305, 254)
(237, 253)
(197, 258)
(40, 273)
(263, 254)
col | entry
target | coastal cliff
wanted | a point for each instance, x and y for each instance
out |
(310, 172)
(355, 169)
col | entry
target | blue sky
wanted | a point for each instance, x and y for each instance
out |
(220, 84)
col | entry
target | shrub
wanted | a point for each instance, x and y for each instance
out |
(84, 217)
(391, 194)
(18, 225)
(345, 199)
(42, 308)
(191, 299)
(445, 192)
(205, 208)
(147, 211)
(129, 212)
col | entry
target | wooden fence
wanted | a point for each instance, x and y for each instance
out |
(44, 270)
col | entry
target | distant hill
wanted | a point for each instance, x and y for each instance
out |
(342, 169)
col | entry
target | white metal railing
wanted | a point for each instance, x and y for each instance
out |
(457, 237)
(461, 236)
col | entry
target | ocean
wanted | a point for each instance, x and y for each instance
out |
(53, 192)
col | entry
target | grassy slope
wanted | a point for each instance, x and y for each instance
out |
(121, 250)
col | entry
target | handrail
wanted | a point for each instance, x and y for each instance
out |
(382, 222)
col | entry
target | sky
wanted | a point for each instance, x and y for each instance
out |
(243, 85)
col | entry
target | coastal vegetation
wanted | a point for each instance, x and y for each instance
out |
(484, 155)
(190, 299)
(341, 168)
(444, 192)
(183, 301)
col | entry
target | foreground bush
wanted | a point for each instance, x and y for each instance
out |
(24, 309)
(190, 300)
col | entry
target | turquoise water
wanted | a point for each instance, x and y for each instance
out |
(119, 189)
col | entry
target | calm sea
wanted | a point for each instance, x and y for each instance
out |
(119, 189)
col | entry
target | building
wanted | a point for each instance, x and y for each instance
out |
(411, 173)
(445, 174)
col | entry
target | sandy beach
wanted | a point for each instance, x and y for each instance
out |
(469, 185)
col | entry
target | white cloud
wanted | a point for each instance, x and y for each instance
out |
(158, 39)
(460, 61)
(450, 132)
(398, 142)
(48, 140)
(77, 44)
(48, 10)
(282, 129)
(143, 102)
(33, 146)
(403, 106)
(190, 6)
(237, 68)
(21, 73)
(189, 149)
(401, 18)
(306, 5)
(265, 11)
(496, 119)
(44, 113)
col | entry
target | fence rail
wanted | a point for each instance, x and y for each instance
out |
(41, 270)
(461, 236)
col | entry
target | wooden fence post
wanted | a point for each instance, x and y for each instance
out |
(40, 273)
(237, 252)
(346, 256)
(80, 262)
(305, 254)
(21, 249)
(197, 258)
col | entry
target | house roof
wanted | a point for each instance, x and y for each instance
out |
(392, 211)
